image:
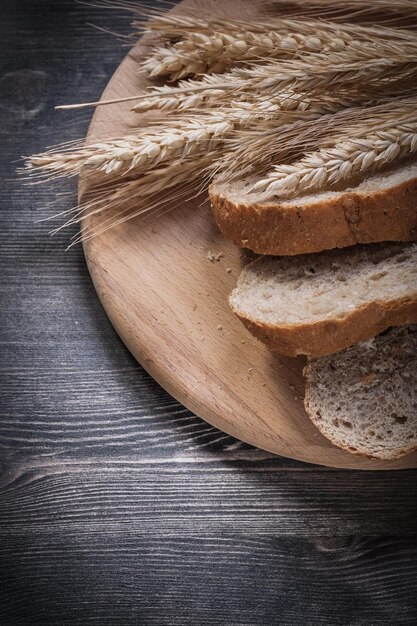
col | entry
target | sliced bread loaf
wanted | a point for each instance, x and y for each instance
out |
(383, 207)
(321, 303)
(364, 399)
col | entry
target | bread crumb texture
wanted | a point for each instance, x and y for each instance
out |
(364, 399)
(329, 285)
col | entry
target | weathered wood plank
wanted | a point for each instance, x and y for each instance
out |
(119, 578)
(201, 493)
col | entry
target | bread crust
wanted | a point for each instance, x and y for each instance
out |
(287, 229)
(328, 336)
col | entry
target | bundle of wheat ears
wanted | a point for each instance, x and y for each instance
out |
(304, 99)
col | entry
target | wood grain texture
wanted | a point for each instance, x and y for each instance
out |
(251, 581)
(118, 506)
(168, 303)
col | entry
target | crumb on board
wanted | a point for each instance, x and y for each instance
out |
(229, 270)
(195, 307)
(214, 256)
(219, 327)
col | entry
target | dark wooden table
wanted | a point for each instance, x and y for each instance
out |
(117, 505)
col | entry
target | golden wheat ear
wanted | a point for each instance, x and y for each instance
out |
(274, 154)
(214, 52)
(376, 138)
(287, 87)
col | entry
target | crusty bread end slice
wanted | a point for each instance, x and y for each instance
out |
(364, 399)
(321, 303)
(383, 207)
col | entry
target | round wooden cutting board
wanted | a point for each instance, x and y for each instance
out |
(168, 302)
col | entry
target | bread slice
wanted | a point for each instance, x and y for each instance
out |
(321, 303)
(382, 207)
(364, 399)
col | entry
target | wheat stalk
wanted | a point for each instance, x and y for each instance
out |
(211, 91)
(136, 153)
(176, 139)
(252, 152)
(274, 108)
(208, 54)
(162, 142)
(181, 137)
(200, 53)
(210, 46)
(173, 26)
(367, 151)
(329, 167)
(315, 71)
(190, 94)
(315, 74)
